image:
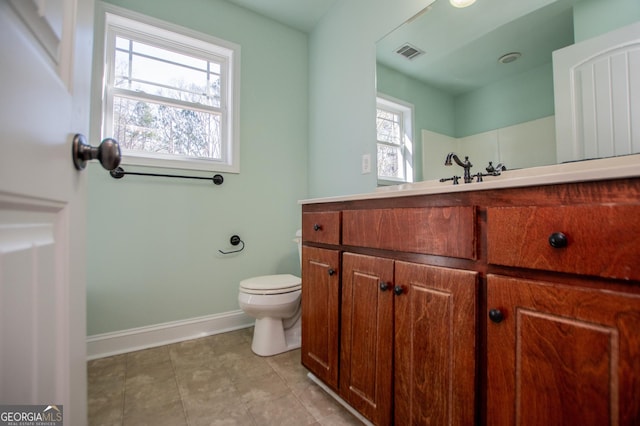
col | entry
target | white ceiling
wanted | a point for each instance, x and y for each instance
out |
(300, 14)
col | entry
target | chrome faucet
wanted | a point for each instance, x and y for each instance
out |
(466, 165)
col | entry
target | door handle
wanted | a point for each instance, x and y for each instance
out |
(108, 152)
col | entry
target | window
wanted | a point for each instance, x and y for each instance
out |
(394, 130)
(170, 95)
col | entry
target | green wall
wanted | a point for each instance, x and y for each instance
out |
(153, 242)
(521, 98)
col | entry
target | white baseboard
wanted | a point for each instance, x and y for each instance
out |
(134, 339)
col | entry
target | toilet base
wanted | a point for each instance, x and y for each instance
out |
(269, 337)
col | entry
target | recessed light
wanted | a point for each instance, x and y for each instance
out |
(461, 3)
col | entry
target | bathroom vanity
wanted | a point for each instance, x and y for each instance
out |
(511, 301)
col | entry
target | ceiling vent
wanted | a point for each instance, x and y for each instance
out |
(409, 51)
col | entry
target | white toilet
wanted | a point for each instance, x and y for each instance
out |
(274, 301)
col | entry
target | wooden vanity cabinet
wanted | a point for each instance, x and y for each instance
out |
(442, 230)
(408, 341)
(320, 313)
(564, 349)
(434, 345)
(515, 306)
(321, 295)
(591, 239)
(561, 354)
(366, 339)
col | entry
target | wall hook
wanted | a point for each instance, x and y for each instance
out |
(234, 241)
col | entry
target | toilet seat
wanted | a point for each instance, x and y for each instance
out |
(271, 284)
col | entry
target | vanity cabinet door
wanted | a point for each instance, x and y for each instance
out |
(435, 345)
(367, 335)
(561, 355)
(408, 342)
(320, 313)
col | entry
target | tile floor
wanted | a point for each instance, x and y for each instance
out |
(214, 380)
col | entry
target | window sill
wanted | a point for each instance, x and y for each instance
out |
(179, 163)
(389, 182)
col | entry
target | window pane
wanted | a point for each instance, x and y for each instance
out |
(122, 69)
(158, 128)
(164, 73)
(390, 162)
(167, 55)
(388, 127)
(122, 43)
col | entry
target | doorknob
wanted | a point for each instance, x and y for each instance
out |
(108, 152)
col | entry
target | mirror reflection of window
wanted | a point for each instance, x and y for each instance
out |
(394, 130)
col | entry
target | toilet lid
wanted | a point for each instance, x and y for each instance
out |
(271, 284)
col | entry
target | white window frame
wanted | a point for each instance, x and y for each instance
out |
(166, 35)
(406, 111)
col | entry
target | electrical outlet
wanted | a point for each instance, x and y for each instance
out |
(366, 163)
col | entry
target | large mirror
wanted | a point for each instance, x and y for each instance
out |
(480, 80)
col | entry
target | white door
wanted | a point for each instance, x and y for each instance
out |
(597, 96)
(45, 68)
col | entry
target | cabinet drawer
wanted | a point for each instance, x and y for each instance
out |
(321, 227)
(445, 231)
(601, 240)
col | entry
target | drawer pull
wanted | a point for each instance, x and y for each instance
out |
(558, 240)
(331, 271)
(398, 290)
(384, 286)
(317, 227)
(496, 315)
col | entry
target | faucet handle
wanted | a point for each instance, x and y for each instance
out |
(495, 170)
(455, 179)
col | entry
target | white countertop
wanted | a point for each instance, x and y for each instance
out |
(579, 171)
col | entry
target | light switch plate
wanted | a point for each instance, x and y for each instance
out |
(366, 163)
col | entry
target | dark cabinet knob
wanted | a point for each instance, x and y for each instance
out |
(558, 240)
(317, 227)
(331, 271)
(398, 290)
(384, 286)
(496, 315)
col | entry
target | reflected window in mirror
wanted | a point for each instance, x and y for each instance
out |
(394, 130)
